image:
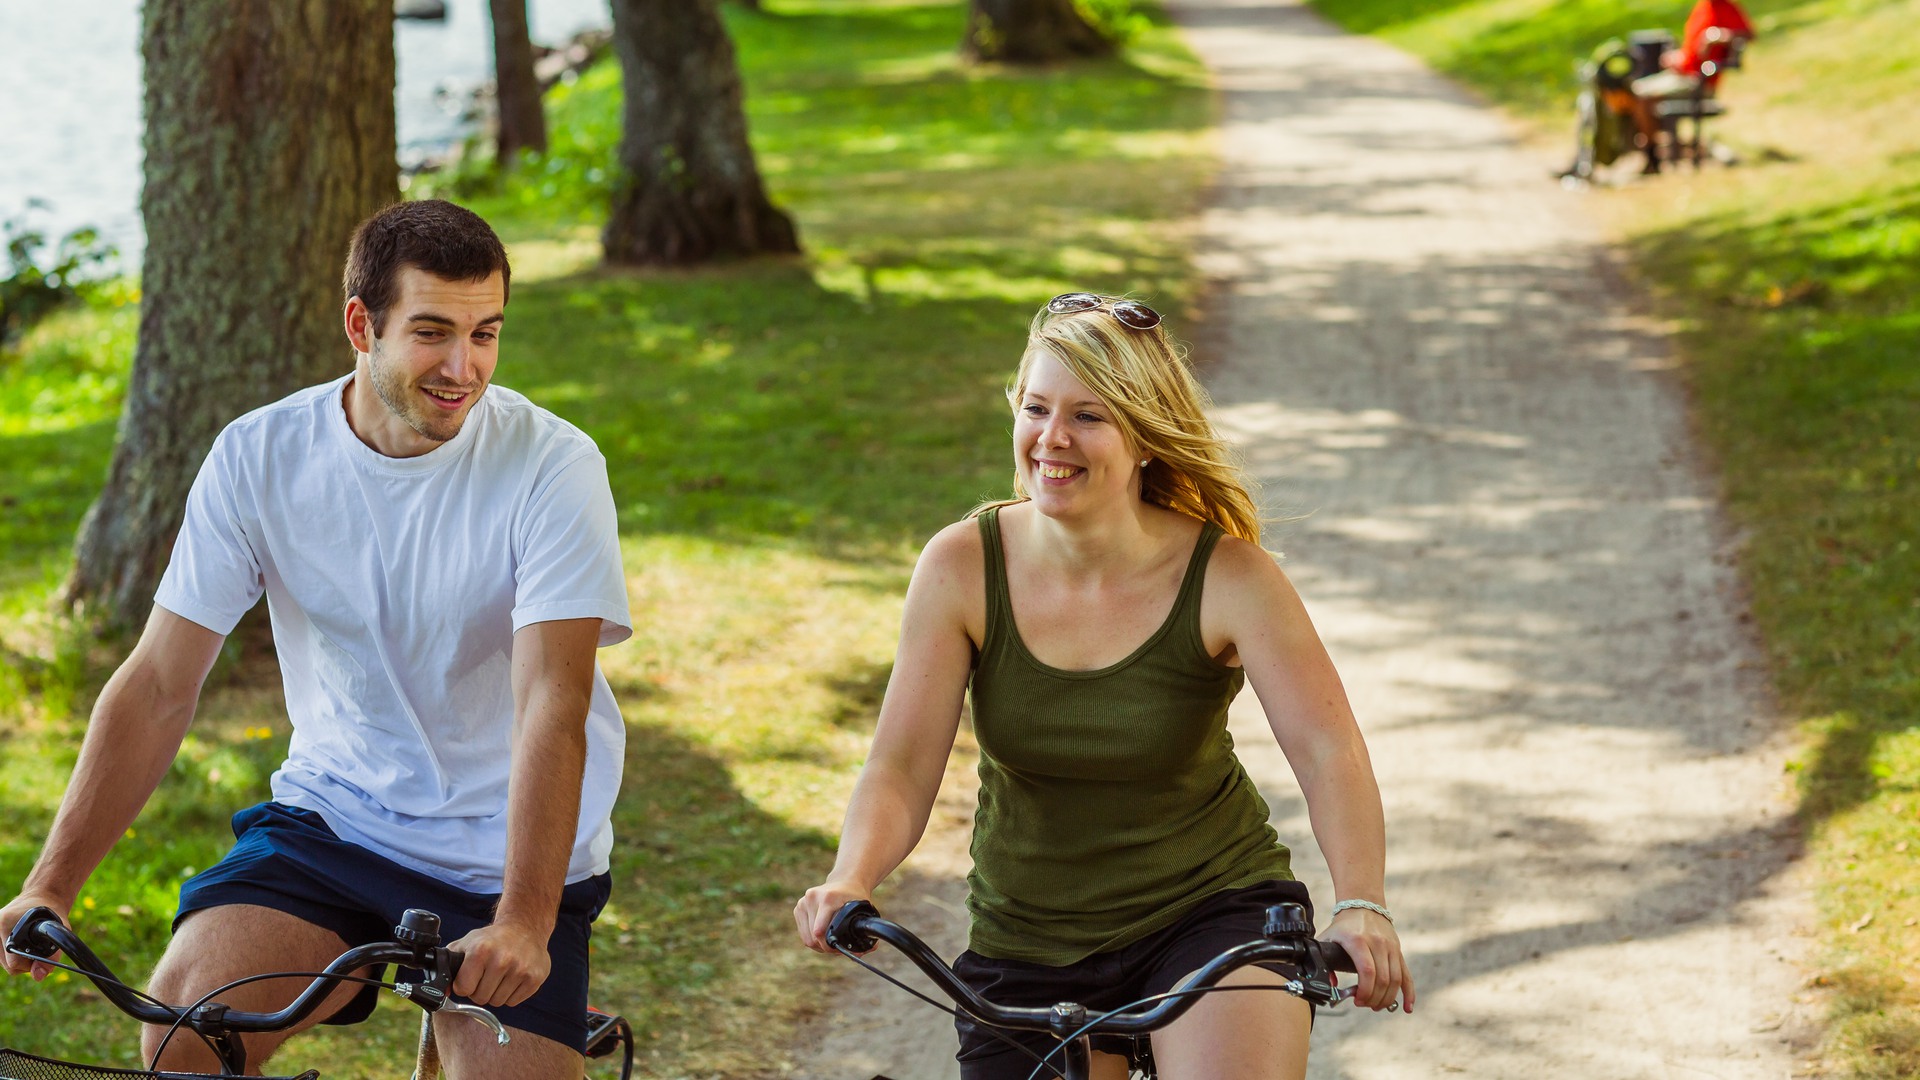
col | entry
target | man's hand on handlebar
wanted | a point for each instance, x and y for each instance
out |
(503, 964)
(1385, 982)
(10, 915)
(817, 908)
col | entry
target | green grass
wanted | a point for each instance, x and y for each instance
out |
(782, 435)
(1524, 54)
(1795, 282)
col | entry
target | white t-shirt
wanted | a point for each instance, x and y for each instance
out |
(395, 587)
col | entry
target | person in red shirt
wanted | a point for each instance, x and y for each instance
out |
(1694, 46)
(1711, 29)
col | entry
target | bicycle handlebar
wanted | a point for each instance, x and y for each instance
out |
(1289, 940)
(41, 934)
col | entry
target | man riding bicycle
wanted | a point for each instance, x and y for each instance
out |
(440, 561)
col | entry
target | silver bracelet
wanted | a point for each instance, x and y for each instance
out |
(1366, 905)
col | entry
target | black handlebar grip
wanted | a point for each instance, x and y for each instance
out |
(29, 935)
(846, 932)
(1335, 955)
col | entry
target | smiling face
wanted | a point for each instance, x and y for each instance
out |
(1070, 455)
(419, 377)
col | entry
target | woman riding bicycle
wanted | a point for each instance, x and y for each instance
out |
(1103, 620)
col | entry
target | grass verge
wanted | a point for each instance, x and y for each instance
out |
(1793, 281)
(781, 436)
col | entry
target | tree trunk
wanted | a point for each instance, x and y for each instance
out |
(1030, 32)
(516, 91)
(690, 190)
(269, 135)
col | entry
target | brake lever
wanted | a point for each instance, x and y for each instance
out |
(476, 1013)
(1321, 986)
(433, 994)
(1342, 994)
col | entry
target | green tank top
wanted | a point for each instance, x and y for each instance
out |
(1111, 801)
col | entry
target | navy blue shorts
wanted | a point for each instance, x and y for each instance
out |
(288, 859)
(1110, 980)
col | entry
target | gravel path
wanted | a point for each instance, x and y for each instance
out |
(1514, 555)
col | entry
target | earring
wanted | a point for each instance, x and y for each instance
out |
(1143, 462)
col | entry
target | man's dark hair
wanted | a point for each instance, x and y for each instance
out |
(447, 241)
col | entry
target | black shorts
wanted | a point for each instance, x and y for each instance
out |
(288, 859)
(1109, 980)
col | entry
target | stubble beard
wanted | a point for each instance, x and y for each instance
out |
(399, 394)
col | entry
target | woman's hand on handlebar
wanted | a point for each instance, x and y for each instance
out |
(817, 908)
(1375, 948)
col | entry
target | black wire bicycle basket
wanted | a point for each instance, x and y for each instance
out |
(15, 1065)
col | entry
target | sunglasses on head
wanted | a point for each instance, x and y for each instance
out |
(1130, 312)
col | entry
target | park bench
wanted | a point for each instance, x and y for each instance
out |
(1724, 49)
(1602, 136)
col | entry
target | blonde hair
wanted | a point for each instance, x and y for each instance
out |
(1158, 406)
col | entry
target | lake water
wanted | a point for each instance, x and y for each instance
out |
(70, 95)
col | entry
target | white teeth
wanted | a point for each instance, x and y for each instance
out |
(443, 395)
(1057, 472)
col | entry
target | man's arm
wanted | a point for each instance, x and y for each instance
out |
(553, 665)
(135, 731)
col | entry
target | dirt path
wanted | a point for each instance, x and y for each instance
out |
(1514, 556)
(1513, 553)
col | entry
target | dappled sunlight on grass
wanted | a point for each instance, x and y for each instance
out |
(1801, 330)
(781, 436)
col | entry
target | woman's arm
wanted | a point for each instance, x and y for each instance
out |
(918, 719)
(1260, 615)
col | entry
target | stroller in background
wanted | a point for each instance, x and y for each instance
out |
(1603, 136)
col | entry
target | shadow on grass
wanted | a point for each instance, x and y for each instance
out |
(848, 95)
(859, 690)
(1802, 328)
(1803, 339)
(751, 404)
(728, 408)
(699, 871)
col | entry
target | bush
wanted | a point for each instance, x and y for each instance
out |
(30, 291)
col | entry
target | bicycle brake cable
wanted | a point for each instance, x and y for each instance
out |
(988, 1028)
(90, 976)
(149, 998)
(154, 1065)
